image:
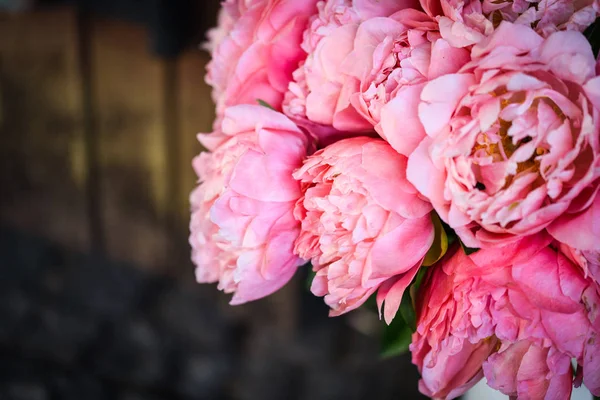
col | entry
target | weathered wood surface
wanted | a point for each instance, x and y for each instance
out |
(196, 116)
(97, 136)
(42, 157)
(127, 90)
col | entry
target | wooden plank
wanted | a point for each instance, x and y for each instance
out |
(42, 156)
(197, 115)
(128, 90)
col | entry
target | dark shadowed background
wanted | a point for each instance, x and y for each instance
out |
(100, 101)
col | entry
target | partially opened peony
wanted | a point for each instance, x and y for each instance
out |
(513, 138)
(352, 47)
(255, 50)
(364, 226)
(242, 227)
(466, 22)
(519, 314)
(393, 67)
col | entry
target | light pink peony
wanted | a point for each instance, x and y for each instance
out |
(256, 49)
(364, 225)
(466, 22)
(242, 226)
(393, 67)
(350, 45)
(519, 314)
(513, 143)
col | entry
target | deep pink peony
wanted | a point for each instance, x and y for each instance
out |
(352, 49)
(466, 22)
(519, 314)
(255, 49)
(242, 227)
(530, 371)
(364, 225)
(513, 142)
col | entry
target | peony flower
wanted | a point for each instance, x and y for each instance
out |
(364, 225)
(242, 226)
(466, 22)
(519, 314)
(530, 371)
(453, 373)
(392, 68)
(513, 138)
(320, 94)
(259, 52)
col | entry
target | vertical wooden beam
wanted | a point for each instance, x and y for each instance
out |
(190, 101)
(93, 186)
(128, 84)
(42, 146)
(197, 115)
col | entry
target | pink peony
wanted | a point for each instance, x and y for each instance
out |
(242, 227)
(255, 50)
(530, 371)
(350, 45)
(394, 70)
(466, 22)
(513, 139)
(364, 225)
(519, 314)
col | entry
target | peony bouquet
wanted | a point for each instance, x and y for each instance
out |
(439, 156)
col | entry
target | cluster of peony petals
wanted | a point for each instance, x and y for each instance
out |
(364, 226)
(255, 49)
(359, 58)
(486, 112)
(512, 141)
(319, 93)
(516, 315)
(466, 22)
(242, 228)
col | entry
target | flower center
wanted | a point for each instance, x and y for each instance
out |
(507, 10)
(499, 144)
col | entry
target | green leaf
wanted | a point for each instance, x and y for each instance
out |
(407, 310)
(449, 233)
(468, 250)
(396, 338)
(440, 243)
(414, 288)
(264, 104)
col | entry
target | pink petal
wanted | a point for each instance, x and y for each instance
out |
(582, 230)
(439, 99)
(400, 123)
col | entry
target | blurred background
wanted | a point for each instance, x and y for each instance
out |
(100, 103)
